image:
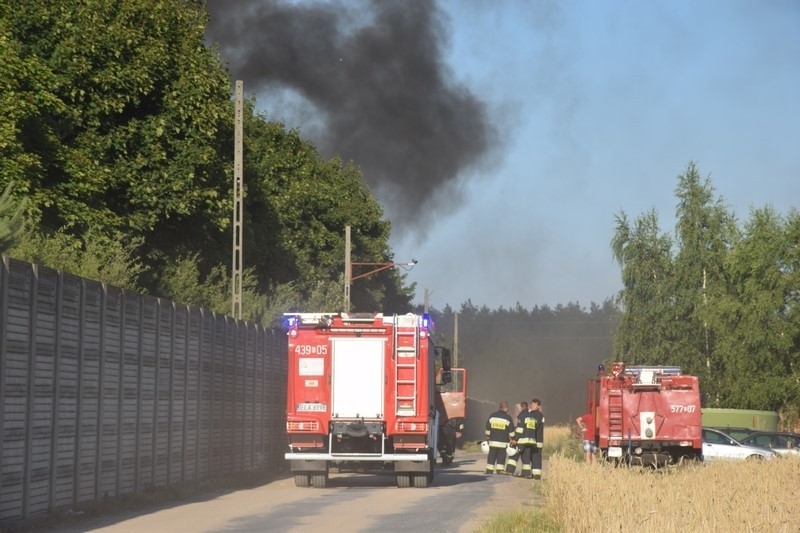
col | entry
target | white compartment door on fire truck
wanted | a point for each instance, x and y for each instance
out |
(358, 378)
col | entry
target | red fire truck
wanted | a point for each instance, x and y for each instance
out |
(362, 394)
(646, 415)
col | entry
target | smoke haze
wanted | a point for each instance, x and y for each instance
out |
(371, 81)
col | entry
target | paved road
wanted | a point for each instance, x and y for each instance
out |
(459, 500)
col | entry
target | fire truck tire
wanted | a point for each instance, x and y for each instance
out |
(421, 480)
(319, 481)
(403, 480)
(301, 480)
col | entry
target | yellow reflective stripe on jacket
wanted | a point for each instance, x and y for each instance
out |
(498, 423)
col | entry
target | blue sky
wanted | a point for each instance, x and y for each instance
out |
(602, 104)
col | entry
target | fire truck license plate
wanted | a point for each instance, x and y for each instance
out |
(614, 451)
(321, 407)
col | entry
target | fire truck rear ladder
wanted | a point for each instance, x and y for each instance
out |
(405, 362)
(615, 413)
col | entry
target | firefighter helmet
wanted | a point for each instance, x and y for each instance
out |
(511, 450)
(485, 446)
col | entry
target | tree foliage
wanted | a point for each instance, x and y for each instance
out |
(722, 302)
(97, 257)
(644, 255)
(11, 219)
(117, 125)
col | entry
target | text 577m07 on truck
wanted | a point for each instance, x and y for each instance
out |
(362, 394)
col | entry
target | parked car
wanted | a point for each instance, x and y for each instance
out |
(737, 433)
(781, 442)
(718, 445)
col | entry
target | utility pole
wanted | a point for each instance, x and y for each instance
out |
(238, 206)
(455, 340)
(348, 268)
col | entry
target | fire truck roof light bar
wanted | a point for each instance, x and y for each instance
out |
(375, 331)
(296, 320)
(659, 370)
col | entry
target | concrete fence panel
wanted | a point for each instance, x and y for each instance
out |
(105, 392)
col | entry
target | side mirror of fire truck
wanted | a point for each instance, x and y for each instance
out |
(447, 362)
(446, 377)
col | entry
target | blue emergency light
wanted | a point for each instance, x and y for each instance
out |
(426, 321)
(290, 322)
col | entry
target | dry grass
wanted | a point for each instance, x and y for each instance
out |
(560, 440)
(726, 496)
(730, 496)
(520, 521)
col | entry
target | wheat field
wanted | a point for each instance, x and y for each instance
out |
(725, 496)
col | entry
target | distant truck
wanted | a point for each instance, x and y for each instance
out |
(362, 394)
(647, 415)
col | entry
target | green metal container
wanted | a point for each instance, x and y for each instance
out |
(741, 418)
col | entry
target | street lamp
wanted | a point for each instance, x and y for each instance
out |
(348, 269)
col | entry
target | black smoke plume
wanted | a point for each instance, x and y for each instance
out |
(374, 73)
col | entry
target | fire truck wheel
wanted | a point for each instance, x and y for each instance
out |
(301, 480)
(421, 480)
(403, 480)
(319, 481)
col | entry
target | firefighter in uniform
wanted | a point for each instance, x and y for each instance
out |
(499, 432)
(447, 433)
(536, 462)
(511, 462)
(526, 440)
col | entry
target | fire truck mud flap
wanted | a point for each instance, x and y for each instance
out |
(412, 466)
(414, 473)
(420, 471)
(308, 465)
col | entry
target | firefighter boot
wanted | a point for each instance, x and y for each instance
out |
(511, 466)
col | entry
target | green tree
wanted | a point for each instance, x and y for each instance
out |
(646, 299)
(26, 102)
(725, 307)
(120, 135)
(757, 318)
(117, 123)
(94, 256)
(11, 221)
(296, 211)
(705, 232)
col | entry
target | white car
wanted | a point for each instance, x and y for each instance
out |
(717, 445)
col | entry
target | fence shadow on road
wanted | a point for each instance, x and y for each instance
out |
(466, 469)
(115, 510)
